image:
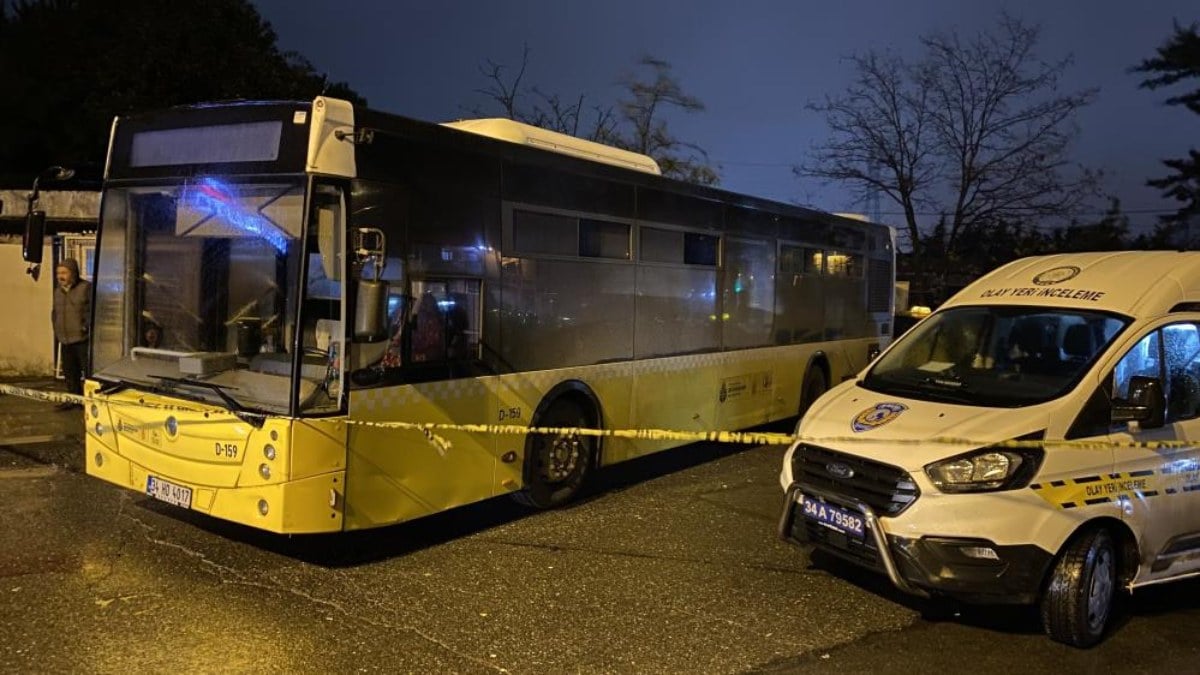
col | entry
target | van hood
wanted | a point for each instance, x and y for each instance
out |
(911, 433)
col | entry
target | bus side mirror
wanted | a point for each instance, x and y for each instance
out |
(32, 240)
(1146, 405)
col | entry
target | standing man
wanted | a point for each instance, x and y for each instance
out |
(70, 313)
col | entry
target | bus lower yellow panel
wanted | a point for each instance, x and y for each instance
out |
(294, 469)
(395, 475)
(308, 505)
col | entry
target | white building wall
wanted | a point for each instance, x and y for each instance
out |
(26, 336)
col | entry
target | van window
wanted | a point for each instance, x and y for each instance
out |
(994, 356)
(1171, 354)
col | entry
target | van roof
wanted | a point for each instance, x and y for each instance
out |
(1135, 283)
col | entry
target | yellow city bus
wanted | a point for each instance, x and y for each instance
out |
(274, 280)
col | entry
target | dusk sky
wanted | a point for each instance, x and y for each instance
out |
(755, 64)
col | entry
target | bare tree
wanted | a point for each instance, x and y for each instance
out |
(499, 90)
(638, 123)
(977, 130)
(648, 134)
(548, 110)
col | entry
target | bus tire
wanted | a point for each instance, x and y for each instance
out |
(558, 466)
(1079, 596)
(814, 386)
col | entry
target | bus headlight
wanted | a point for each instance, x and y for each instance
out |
(264, 471)
(269, 451)
(986, 470)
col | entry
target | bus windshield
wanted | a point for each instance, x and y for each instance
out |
(196, 290)
(994, 356)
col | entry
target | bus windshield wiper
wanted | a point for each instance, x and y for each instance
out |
(240, 411)
(221, 391)
(112, 386)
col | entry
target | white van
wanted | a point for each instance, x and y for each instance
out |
(1029, 442)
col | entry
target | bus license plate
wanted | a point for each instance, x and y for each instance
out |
(833, 517)
(169, 492)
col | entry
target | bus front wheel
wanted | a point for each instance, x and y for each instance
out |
(557, 465)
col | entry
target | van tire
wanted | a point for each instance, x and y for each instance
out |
(557, 467)
(1078, 600)
(814, 386)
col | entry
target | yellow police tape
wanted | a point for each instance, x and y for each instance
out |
(429, 429)
(39, 395)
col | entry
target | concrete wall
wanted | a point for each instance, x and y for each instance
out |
(26, 337)
(63, 204)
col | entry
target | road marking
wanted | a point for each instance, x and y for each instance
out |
(30, 472)
(30, 440)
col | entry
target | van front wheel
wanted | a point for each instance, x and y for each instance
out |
(1079, 597)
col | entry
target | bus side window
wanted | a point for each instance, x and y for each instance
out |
(428, 331)
(397, 309)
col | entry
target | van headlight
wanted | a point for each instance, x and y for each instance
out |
(986, 470)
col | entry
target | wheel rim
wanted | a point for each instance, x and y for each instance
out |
(1101, 589)
(562, 457)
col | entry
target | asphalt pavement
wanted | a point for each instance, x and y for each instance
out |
(38, 431)
(670, 565)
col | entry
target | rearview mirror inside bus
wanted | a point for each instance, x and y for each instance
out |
(370, 311)
(31, 242)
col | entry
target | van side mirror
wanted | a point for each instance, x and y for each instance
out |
(32, 240)
(1147, 405)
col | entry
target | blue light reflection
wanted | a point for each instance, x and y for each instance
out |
(215, 197)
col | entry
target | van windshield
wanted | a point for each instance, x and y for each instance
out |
(994, 356)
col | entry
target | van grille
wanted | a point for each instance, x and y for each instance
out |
(887, 489)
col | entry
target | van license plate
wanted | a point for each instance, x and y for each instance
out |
(169, 492)
(833, 517)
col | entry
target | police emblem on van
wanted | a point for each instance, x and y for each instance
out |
(877, 416)
(1056, 275)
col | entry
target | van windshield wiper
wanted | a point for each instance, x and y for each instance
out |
(949, 389)
(946, 382)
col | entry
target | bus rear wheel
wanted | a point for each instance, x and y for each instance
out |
(814, 386)
(557, 466)
(1079, 597)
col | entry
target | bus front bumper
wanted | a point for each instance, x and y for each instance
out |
(309, 505)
